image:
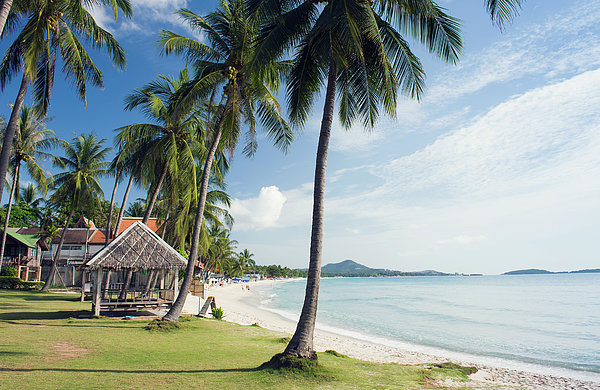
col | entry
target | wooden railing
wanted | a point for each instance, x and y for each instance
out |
(137, 296)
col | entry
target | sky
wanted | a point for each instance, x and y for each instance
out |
(497, 168)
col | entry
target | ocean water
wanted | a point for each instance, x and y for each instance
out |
(542, 323)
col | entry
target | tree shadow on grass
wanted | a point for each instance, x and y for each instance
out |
(39, 315)
(44, 296)
(89, 325)
(92, 370)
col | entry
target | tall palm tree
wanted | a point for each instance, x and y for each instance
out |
(78, 186)
(53, 28)
(353, 47)
(168, 147)
(6, 5)
(230, 32)
(246, 258)
(29, 147)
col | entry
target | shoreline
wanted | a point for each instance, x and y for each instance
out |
(244, 307)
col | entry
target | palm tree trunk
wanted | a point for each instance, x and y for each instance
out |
(164, 225)
(5, 6)
(9, 208)
(57, 256)
(122, 211)
(301, 344)
(11, 128)
(175, 311)
(110, 212)
(155, 194)
(125, 287)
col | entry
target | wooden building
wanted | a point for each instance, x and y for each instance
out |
(24, 252)
(145, 267)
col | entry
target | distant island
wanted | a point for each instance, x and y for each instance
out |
(349, 268)
(534, 271)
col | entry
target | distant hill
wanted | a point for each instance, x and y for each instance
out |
(347, 267)
(531, 271)
(351, 268)
(534, 271)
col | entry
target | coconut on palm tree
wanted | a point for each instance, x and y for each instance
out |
(78, 186)
(51, 29)
(32, 141)
(246, 95)
(355, 49)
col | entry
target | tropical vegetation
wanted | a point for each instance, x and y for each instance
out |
(355, 51)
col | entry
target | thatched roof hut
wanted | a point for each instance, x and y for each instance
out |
(138, 247)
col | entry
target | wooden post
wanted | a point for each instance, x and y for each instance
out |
(83, 285)
(176, 283)
(106, 284)
(97, 291)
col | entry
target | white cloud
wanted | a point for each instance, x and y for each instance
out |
(562, 44)
(260, 212)
(463, 239)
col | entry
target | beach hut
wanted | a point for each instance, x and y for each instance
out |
(143, 269)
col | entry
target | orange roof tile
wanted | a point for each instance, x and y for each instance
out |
(100, 237)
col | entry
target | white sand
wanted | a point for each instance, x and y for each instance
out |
(243, 307)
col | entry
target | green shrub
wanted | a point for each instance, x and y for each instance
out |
(10, 282)
(31, 285)
(14, 283)
(9, 271)
(217, 313)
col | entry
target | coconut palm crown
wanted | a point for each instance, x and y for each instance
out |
(79, 184)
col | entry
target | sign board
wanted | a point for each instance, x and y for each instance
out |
(197, 288)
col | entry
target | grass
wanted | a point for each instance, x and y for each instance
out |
(43, 345)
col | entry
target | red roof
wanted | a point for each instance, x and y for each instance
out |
(100, 237)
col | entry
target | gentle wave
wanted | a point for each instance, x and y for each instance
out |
(399, 312)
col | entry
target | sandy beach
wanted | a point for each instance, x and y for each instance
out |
(243, 307)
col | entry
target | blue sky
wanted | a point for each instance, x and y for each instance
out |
(497, 168)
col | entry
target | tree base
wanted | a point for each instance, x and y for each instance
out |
(291, 362)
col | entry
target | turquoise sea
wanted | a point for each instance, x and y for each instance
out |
(541, 323)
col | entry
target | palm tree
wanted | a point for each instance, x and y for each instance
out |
(246, 258)
(31, 141)
(136, 209)
(230, 32)
(84, 163)
(170, 146)
(28, 195)
(51, 29)
(354, 48)
(221, 251)
(5, 7)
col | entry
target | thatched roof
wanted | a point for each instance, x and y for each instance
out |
(140, 248)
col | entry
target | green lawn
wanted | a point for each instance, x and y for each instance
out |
(42, 345)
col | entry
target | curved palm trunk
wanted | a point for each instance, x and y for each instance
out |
(11, 128)
(122, 211)
(110, 212)
(155, 194)
(301, 344)
(57, 256)
(10, 200)
(4, 10)
(175, 311)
